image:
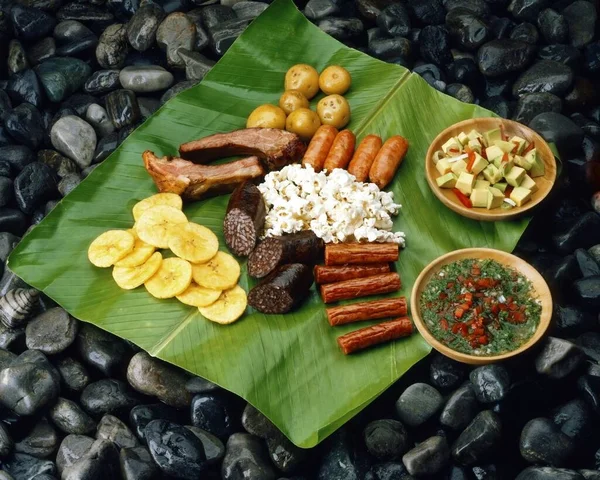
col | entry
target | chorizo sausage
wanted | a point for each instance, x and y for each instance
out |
(319, 147)
(364, 156)
(388, 160)
(341, 151)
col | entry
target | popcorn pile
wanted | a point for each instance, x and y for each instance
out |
(335, 207)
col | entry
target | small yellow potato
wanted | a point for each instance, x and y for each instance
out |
(291, 100)
(334, 110)
(335, 79)
(303, 122)
(304, 78)
(266, 116)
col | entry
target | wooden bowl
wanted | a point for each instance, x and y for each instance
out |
(447, 196)
(539, 287)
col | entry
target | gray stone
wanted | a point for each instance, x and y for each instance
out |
(112, 47)
(108, 396)
(490, 383)
(74, 138)
(176, 31)
(22, 466)
(581, 17)
(70, 418)
(145, 79)
(100, 462)
(543, 442)
(177, 89)
(68, 183)
(101, 350)
(60, 164)
(141, 29)
(51, 332)
(41, 442)
(530, 105)
(97, 117)
(196, 64)
(418, 403)
(6, 358)
(428, 457)
(6, 442)
(548, 473)
(461, 407)
(114, 430)
(386, 439)
(544, 76)
(17, 59)
(73, 374)
(71, 449)
(479, 439)
(42, 50)
(122, 108)
(74, 37)
(245, 458)
(102, 81)
(201, 385)
(247, 10)
(147, 106)
(213, 447)
(137, 464)
(558, 358)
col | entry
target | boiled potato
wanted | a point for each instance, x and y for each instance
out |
(291, 100)
(334, 110)
(303, 122)
(304, 78)
(266, 116)
(335, 79)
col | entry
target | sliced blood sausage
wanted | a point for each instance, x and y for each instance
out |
(301, 247)
(283, 290)
(245, 219)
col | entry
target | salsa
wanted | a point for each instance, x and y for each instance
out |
(480, 307)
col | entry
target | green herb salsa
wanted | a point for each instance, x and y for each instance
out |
(480, 307)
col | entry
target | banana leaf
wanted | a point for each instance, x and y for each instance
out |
(288, 366)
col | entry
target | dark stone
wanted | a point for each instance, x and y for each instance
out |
(571, 320)
(553, 26)
(342, 460)
(245, 10)
(61, 165)
(31, 23)
(560, 130)
(481, 8)
(465, 71)
(24, 123)
(581, 17)
(141, 29)
(428, 457)
(102, 81)
(96, 17)
(587, 264)
(102, 350)
(370, 9)
(42, 50)
(51, 332)
(490, 383)
(500, 27)
(68, 417)
(108, 396)
(503, 56)
(467, 28)
(565, 54)
(6, 442)
(202, 37)
(543, 442)
(106, 145)
(592, 57)
(142, 415)
(175, 449)
(8, 241)
(72, 448)
(390, 48)
(479, 439)
(446, 373)
(388, 471)
(418, 403)
(582, 96)
(530, 105)
(41, 441)
(498, 105)
(525, 32)
(73, 374)
(177, 89)
(122, 108)
(527, 10)
(574, 419)
(590, 344)
(23, 466)
(394, 20)
(589, 387)
(587, 291)
(564, 272)
(544, 76)
(123, 9)
(386, 439)
(98, 463)
(17, 156)
(17, 59)
(176, 31)
(460, 408)
(68, 183)
(137, 464)
(586, 231)
(460, 92)
(74, 37)
(5, 103)
(318, 9)
(548, 473)
(112, 429)
(435, 45)
(428, 12)
(196, 68)
(34, 186)
(112, 46)
(201, 385)
(212, 412)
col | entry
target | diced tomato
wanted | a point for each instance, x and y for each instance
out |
(479, 331)
(495, 309)
(458, 313)
(471, 160)
(510, 300)
(460, 278)
(482, 340)
(456, 327)
(450, 285)
(444, 324)
(477, 310)
(479, 295)
(475, 270)
(513, 307)
(469, 297)
(503, 307)
(466, 201)
(443, 296)
(482, 283)
(517, 317)
(465, 306)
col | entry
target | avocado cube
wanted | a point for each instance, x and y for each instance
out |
(495, 198)
(492, 174)
(459, 166)
(501, 186)
(494, 152)
(506, 147)
(506, 167)
(537, 164)
(481, 184)
(474, 135)
(479, 164)
(443, 166)
(491, 136)
(465, 183)
(463, 138)
(523, 162)
(520, 195)
(515, 176)
(529, 184)
(479, 197)
(446, 181)
(452, 144)
(522, 143)
(475, 146)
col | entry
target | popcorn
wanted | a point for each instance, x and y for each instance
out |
(335, 207)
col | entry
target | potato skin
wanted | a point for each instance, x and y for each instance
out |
(266, 116)
(291, 100)
(334, 110)
(303, 122)
(303, 77)
(335, 80)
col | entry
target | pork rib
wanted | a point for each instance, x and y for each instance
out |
(193, 182)
(276, 148)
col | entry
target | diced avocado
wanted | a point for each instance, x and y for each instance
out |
(529, 184)
(491, 136)
(481, 184)
(506, 147)
(465, 183)
(537, 164)
(523, 162)
(520, 195)
(453, 144)
(501, 186)
(479, 164)
(443, 166)
(492, 174)
(475, 146)
(493, 152)
(458, 166)
(446, 181)
(515, 176)
(506, 167)
(522, 143)
(495, 198)
(463, 138)
(479, 197)
(474, 135)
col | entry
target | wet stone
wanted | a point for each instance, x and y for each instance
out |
(25, 124)
(490, 383)
(25, 87)
(574, 419)
(74, 138)
(525, 32)
(340, 28)
(142, 415)
(73, 374)
(587, 290)
(480, 8)
(500, 57)
(201, 385)
(245, 458)
(467, 28)
(428, 457)
(418, 403)
(112, 46)
(460, 92)
(23, 466)
(176, 31)
(428, 12)
(565, 54)
(532, 104)
(31, 23)
(388, 471)
(446, 373)
(544, 76)
(51, 332)
(141, 29)
(202, 37)
(571, 320)
(527, 9)
(435, 45)
(102, 81)
(137, 464)
(394, 20)
(215, 450)
(500, 27)
(558, 358)
(41, 442)
(6, 358)
(543, 442)
(214, 15)
(386, 439)
(223, 36)
(71, 449)
(177, 89)
(97, 117)
(145, 79)
(461, 407)
(68, 183)
(60, 164)
(74, 37)
(6, 191)
(112, 429)
(479, 439)
(108, 396)
(560, 130)
(196, 66)
(17, 156)
(175, 449)
(6, 442)
(98, 463)
(42, 50)
(213, 413)
(318, 9)
(102, 350)
(390, 48)
(553, 26)
(587, 264)
(68, 417)
(106, 146)
(17, 58)
(589, 387)
(122, 108)
(581, 17)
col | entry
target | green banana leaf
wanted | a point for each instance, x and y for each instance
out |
(287, 366)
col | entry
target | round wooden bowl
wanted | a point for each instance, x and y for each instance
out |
(542, 292)
(447, 196)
